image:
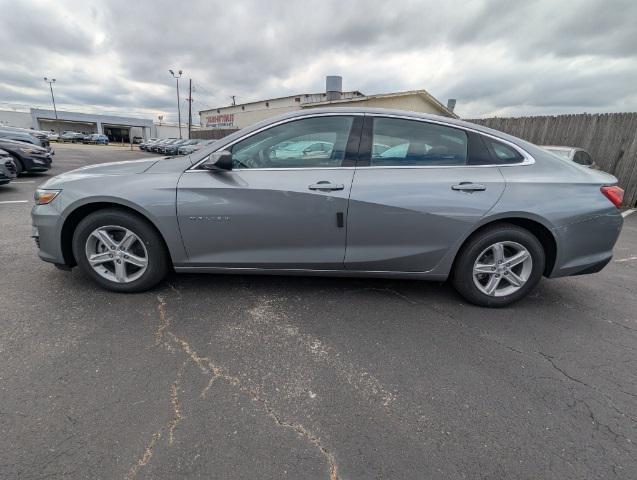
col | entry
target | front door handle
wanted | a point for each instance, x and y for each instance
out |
(469, 187)
(326, 186)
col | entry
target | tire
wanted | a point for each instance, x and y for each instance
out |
(147, 246)
(484, 245)
(19, 166)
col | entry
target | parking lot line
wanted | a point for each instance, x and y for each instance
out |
(15, 201)
(625, 213)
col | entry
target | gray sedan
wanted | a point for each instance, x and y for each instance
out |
(446, 199)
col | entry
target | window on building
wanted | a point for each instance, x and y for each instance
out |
(318, 142)
(297, 99)
(267, 104)
(398, 142)
(243, 107)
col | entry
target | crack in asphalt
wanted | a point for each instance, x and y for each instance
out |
(171, 341)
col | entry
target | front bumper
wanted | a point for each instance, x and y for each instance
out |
(586, 246)
(46, 232)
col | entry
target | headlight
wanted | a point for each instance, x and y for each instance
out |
(42, 197)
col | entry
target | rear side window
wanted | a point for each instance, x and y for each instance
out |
(398, 142)
(583, 158)
(502, 154)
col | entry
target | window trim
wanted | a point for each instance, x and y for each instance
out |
(528, 158)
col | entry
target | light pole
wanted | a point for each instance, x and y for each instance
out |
(177, 77)
(51, 82)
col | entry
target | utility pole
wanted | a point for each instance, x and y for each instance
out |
(189, 107)
(233, 100)
(51, 82)
(177, 77)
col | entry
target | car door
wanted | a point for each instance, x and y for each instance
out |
(415, 196)
(273, 213)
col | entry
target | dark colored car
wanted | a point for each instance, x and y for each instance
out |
(144, 145)
(27, 157)
(8, 169)
(25, 136)
(73, 137)
(188, 149)
(173, 149)
(159, 147)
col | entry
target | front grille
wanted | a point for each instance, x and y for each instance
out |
(37, 241)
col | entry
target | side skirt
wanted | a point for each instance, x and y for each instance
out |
(308, 272)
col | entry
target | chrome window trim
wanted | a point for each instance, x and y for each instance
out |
(528, 158)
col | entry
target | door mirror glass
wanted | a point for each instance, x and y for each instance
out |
(218, 161)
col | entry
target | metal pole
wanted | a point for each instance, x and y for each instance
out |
(51, 82)
(178, 109)
(189, 107)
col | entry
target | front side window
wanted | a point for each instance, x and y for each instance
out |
(318, 142)
(398, 142)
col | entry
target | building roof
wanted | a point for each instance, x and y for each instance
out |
(354, 93)
(424, 93)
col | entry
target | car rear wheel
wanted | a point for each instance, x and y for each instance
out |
(498, 266)
(120, 251)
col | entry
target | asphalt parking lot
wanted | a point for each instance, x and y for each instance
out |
(239, 377)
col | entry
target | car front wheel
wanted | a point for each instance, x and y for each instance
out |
(120, 251)
(498, 266)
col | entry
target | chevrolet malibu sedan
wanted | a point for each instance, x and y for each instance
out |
(446, 199)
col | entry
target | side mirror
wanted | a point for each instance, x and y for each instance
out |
(218, 161)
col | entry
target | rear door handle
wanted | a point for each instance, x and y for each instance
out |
(469, 187)
(326, 186)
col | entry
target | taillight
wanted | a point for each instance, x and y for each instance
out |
(614, 194)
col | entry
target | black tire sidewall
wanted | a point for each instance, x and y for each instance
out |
(157, 258)
(463, 269)
(18, 165)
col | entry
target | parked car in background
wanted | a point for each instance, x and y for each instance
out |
(425, 212)
(96, 138)
(8, 169)
(53, 137)
(23, 135)
(137, 140)
(27, 157)
(144, 145)
(72, 137)
(173, 149)
(191, 148)
(574, 154)
(159, 146)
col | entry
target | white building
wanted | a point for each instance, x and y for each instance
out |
(117, 128)
(242, 115)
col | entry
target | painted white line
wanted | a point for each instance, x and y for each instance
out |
(629, 259)
(625, 213)
(22, 181)
(15, 201)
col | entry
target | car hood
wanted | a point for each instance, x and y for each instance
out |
(129, 167)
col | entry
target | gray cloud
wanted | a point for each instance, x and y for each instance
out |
(494, 56)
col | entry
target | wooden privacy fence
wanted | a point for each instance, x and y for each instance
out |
(611, 138)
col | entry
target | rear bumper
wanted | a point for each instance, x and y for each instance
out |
(587, 246)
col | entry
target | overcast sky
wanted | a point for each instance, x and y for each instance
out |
(496, 57)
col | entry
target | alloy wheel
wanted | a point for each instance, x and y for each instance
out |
(502, 269)
(116, 254)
